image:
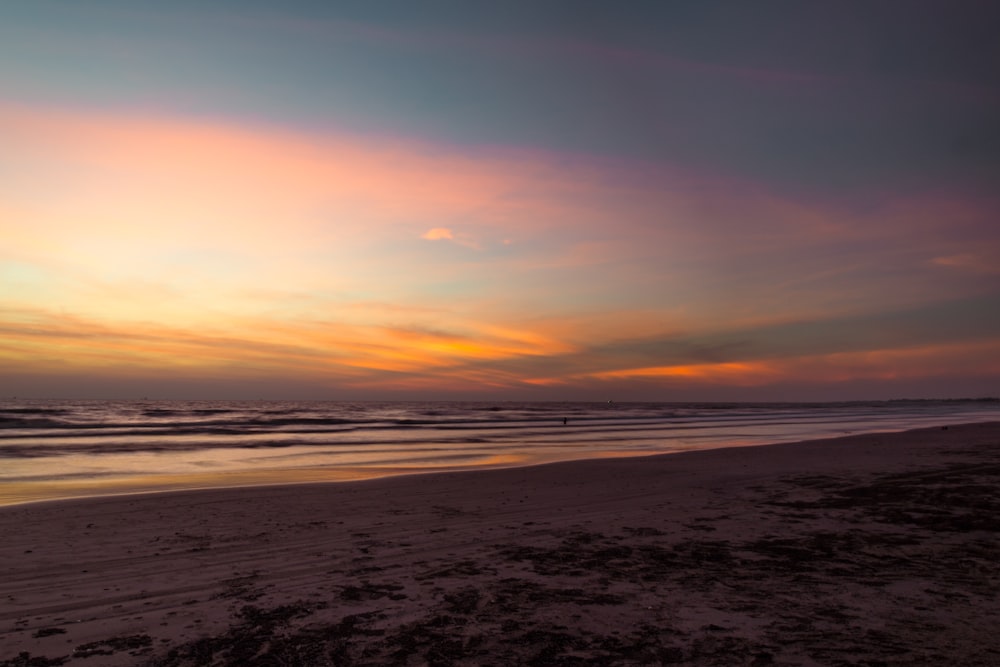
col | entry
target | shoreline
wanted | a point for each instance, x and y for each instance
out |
(866, 547)
(360, 478)
(30, 493)
(122, 447)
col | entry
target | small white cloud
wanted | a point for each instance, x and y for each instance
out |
(438, 233)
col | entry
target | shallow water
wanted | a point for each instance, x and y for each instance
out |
(54, 449)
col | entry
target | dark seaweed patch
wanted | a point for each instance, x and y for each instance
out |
(132, 643)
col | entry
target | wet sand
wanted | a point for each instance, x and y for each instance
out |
(868, 550)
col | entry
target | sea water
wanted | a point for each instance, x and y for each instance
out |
(62, 448)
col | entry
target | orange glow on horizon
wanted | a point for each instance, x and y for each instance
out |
(973, 358)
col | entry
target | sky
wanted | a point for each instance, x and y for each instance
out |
(523, 200)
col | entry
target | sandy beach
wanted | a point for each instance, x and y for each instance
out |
(880, 549)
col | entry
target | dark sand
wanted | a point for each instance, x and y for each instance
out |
(871, 550)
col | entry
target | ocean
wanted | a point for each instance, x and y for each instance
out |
(63, 448)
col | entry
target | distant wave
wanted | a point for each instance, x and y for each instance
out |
(74, 440)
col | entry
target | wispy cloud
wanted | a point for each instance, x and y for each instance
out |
(138, 243)
(984, 262)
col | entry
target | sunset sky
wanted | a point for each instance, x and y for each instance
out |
(529, 200)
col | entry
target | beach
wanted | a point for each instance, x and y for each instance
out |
(877, 549)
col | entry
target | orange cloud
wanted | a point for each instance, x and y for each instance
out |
(49, 342)
(739, 373)
(400, 358)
